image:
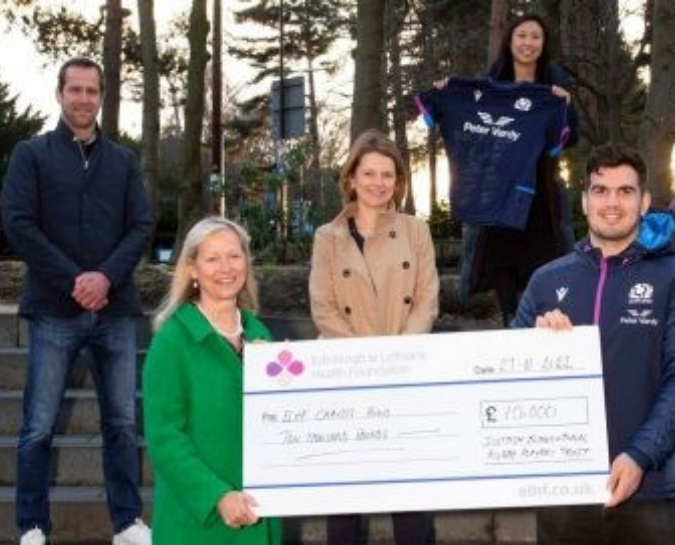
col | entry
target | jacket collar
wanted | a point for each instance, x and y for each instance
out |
(193, 320)
(65, 132)
(385, 220)
(199, 327)
(656, 235)
(632, 253)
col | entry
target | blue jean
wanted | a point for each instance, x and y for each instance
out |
(54, 345)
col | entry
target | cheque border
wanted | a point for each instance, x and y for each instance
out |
(468, 382)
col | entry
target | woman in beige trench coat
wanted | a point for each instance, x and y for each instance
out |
(373, 273)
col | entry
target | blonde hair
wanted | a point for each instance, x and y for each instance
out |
(373, 141)
(182, 286)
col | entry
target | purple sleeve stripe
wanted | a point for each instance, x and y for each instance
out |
(428, 118)
(597, 307)
(557, 149)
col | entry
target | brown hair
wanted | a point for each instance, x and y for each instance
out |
(615, 155)
(80, 62)
(373, 141)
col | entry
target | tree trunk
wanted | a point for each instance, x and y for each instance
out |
(578, 27)
(367, 107)
(190, 206)
(112, 60)
(498, 15)
(657, 130)
(217, 93)
(432, 143)
(611, 71)
(315, 161)
(428, 73)
(591, 48)
(151, 105)
(313, 117)
(395, 17)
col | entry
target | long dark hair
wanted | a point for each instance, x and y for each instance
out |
(502, 67)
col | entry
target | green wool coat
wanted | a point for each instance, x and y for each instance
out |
(192, 404)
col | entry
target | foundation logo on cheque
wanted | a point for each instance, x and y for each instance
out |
(285, 368)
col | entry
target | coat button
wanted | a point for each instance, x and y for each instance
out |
(348, 311)
(406, 265)
(407, 300)
(346, 273)
(392, 234)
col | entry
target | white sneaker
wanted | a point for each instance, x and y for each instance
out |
(136, 534)
(33, 537)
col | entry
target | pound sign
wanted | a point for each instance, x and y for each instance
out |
(490, 413)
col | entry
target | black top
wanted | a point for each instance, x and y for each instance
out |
(354, 232)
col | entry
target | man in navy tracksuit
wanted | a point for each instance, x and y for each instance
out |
(622, 278)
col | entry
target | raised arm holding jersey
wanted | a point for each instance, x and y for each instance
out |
(503, 136)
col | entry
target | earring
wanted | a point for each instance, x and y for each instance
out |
(195, 284)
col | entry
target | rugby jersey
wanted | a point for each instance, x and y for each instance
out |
(494, 133)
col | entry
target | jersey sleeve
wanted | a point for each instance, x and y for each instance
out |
(559, 131)
(429, 105)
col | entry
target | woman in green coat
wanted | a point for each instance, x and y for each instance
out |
(192, 394)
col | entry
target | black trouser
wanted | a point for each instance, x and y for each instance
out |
(633, 523)
(409, 529)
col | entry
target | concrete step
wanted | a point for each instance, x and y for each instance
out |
(13, 369)
(13, 358)
(79, 515)
(285, 327)
(77, 461)
(297, 328)
(14, 329)
(79, 412)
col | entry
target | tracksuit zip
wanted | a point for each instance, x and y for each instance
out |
(85, 160)
(597, 307)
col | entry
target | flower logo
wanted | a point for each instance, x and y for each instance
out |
(285, 367)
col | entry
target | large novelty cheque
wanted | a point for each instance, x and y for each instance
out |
(425, 422)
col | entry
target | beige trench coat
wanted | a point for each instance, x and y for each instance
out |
(390, 289)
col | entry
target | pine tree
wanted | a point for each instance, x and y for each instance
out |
(15, 126)
(310, 30)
